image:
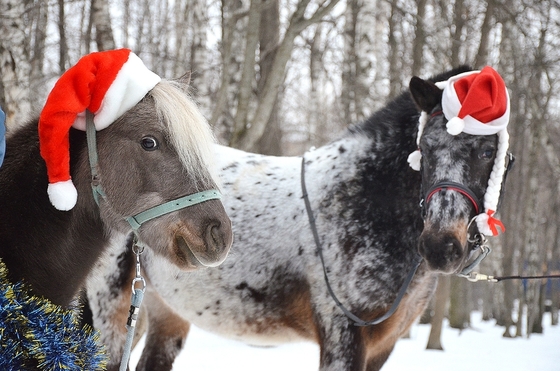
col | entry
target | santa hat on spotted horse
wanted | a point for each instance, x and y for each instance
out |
(477, 103)
(108, 84)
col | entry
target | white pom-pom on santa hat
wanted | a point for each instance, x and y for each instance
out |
(455, 126)
(63, 195)
(106, 83)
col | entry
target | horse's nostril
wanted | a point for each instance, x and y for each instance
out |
(215, 234)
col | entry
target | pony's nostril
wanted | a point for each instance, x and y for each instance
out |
(453, 250)
(215, 234)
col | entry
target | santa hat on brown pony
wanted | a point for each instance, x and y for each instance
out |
(476, 103)
(106, 83)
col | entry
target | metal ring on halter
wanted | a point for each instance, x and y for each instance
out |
(479, 242)
(136, 280)
(479, 238)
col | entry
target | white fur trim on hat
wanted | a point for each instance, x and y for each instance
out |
(63, 195)
(131, 84)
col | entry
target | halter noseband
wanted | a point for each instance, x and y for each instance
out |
(137, 220)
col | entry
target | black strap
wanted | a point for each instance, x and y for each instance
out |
(357, 321)
(465, 191)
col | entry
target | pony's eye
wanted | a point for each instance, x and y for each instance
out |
(487, 153)
(149, 143)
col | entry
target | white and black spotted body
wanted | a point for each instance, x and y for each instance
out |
(271, 289)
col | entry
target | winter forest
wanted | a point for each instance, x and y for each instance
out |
(280, 76)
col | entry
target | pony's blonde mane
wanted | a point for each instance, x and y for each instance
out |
(189, 132)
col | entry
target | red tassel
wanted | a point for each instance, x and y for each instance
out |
(493, 223)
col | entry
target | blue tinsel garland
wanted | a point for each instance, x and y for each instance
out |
(36, 334)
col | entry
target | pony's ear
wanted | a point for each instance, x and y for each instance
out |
(185, 81)
(425, 93)
(186, 78)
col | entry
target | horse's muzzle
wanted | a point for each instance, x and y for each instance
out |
(443, 252)
(208, 251)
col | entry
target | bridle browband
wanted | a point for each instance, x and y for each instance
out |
(137, 220)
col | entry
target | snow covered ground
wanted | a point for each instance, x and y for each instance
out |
(480, 348)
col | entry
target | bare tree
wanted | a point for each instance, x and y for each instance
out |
(101, 19)
(247, 130)
(15, 64)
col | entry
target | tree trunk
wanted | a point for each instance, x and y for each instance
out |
(37, 79)
(15, 68)
(481, 58)
(223, 112)
(440, 306)
(395, 67)
(350, 63)
(101, 18)
(457, 34)
(271, 141)
(199, 54)
(243, 137)
(63, 45)
(419, 38)
(460, 303)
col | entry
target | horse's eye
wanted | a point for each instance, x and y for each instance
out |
(487, 153)
(149, 143)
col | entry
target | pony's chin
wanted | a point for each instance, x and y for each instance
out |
(187, 260)
(445, 267)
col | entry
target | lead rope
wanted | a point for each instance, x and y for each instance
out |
(135, 302)
(357, 321)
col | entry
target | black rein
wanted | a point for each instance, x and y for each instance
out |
(355, 319)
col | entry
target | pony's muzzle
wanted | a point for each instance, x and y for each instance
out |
(443, 252)
(211, 246)
(218, 241)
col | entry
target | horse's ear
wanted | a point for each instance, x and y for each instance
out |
(185, 79)
(425, 93)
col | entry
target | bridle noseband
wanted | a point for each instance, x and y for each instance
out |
(451, 186)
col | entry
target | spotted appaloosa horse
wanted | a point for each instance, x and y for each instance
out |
(365, 199)
(157, 151)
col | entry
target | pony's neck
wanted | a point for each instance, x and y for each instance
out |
(370, 188)
(50, 250)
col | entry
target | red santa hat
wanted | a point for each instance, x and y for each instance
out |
(106, 83)
(477, 103)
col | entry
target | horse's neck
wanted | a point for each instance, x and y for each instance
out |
(366, 185)
(48, 249)
(368, 164)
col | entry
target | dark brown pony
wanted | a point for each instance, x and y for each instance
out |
(53, 251)
(365, 201)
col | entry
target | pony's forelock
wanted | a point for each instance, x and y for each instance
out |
(189, 131)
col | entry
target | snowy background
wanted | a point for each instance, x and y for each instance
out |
(481, 347)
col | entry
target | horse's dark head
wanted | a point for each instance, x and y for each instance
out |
(158, 151)
(455, 174)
